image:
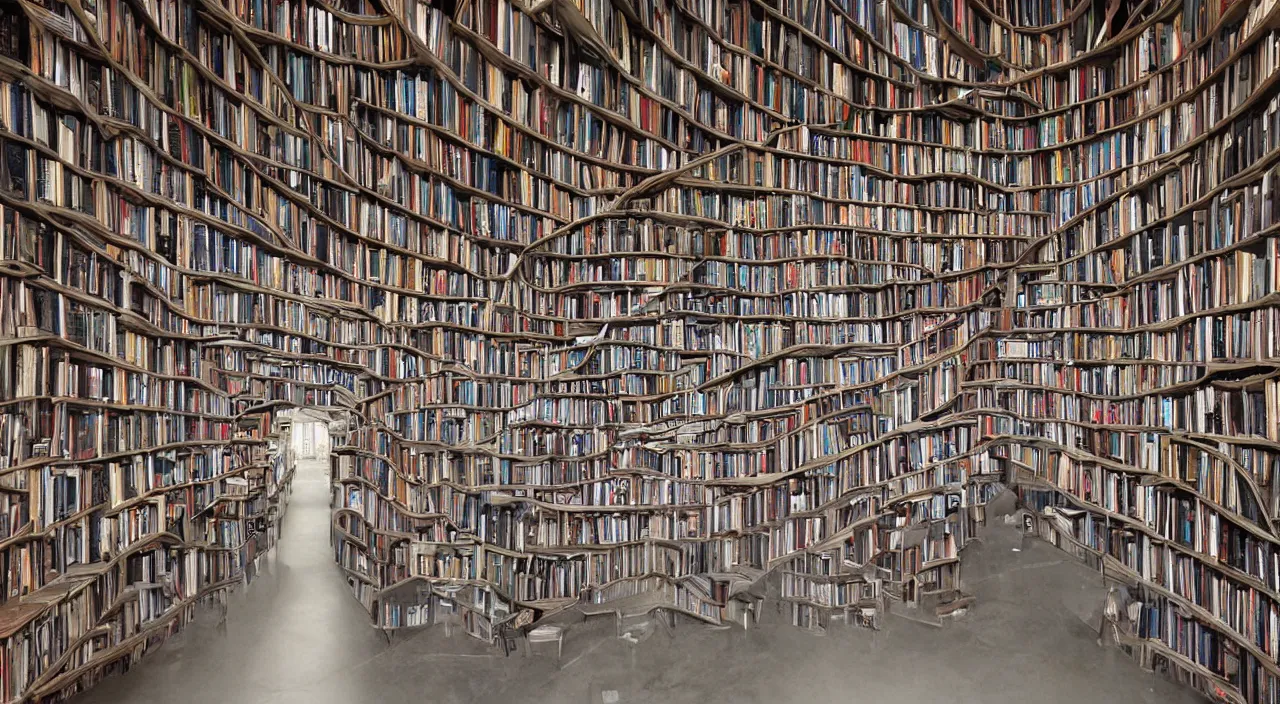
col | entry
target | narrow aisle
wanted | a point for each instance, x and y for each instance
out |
(295, 634)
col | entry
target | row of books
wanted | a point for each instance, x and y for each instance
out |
(43, 371)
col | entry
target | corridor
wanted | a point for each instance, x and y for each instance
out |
(294, 634)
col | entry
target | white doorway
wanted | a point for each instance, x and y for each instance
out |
(310, 440)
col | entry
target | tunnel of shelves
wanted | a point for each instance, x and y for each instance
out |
(632, 303)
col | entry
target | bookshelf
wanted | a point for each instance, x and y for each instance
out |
(142, 465)
(630, 303)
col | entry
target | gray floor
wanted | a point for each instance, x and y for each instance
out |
(296, 635)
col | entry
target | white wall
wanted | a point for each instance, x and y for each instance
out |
(310, 440)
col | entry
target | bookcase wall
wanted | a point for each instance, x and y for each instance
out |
(634, 301)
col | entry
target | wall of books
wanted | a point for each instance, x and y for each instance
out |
(141, 471)
(635, 301)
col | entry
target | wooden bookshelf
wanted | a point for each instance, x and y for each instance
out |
(630, 303)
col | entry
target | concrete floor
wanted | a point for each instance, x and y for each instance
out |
(296, 635)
